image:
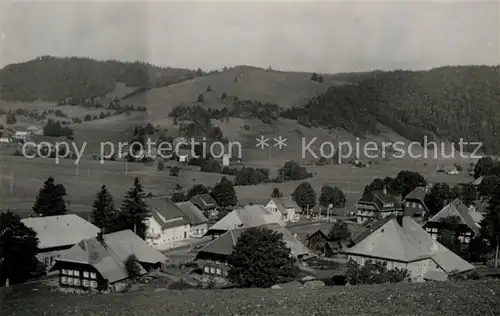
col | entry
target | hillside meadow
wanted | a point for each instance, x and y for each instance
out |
(83, 182)
(468, 298)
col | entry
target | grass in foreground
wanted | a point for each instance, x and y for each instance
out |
(462, 298)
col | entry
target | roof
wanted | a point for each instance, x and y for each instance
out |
(467, 216)
(166, 213)
(477, 181)
(248, 216)
(284, 203)
(382, 201)
(224, 244)
(61, 230)
(417, 194)
(195, 216)
(204, 201)
(368, 231)
(108, 257)
(406, 243)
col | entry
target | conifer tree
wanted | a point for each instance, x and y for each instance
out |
(104, 212)
(134, 212)
(50, 199)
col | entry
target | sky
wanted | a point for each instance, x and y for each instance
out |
(325, 37)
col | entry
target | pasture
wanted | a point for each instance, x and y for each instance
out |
(21, 178)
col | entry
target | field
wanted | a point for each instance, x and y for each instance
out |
(21, 179)
(462, 298)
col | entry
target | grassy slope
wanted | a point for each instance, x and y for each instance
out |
(283, 88)
(463, 298)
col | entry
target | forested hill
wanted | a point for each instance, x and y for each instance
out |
(53, 79)
(448, 102)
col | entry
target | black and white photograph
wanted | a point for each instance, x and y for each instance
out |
(249, 158)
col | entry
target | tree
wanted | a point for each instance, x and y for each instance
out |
(449, 235)
(224, 193)
(304, 195)
(438, 197)
(483, 166)
(209, 88)
(292, 170)
(200, 98)
(223, 95)
(339, 232)
(160, 165)
(490, 225)
(178, 197)
(467, 193)
(133, 267)
(331, 196)
(314, 77)
(373, 272)
(197, 190)
(174, 171)
(376, 185)
(133, 212)
(18, 249)
(50, 199)
(261, 259)
(104, 213)
(199, 72)
(276, 193)
(408, 181)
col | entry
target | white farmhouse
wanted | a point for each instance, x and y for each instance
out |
(286, 207)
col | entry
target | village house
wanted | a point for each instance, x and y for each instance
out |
(206, 204)
(213, 257)
(286, 207)
(318, 243)
(248, 216)
(173, 222)
(414, 204)
(468, 224)
(400, 242)
(197, 220)
(57, 234)
(21, 135)
(99, 263)
(375, 204)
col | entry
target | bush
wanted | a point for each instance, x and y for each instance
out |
(11, 119)
(374, 273)
(200, 98)
(174, 171)
(223, 95)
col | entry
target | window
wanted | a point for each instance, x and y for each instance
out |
(46, 261)
(212, 270)
(85, 274)
(70, 281)
(206, 269)
(70, 272)
(218, 271)
(64, 272)
(217, 262)
(77, 282)
(224, 272)
(93, 284)
(86, 283)
(64, 280)
(92, 275)
(76, 273)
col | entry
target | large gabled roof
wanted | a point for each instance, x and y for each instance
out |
(60, 230)
(248, 216)
(406, 243)
(416, 194)
(194, 215)
(458, 209)
(109, 255)
(224, 244)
